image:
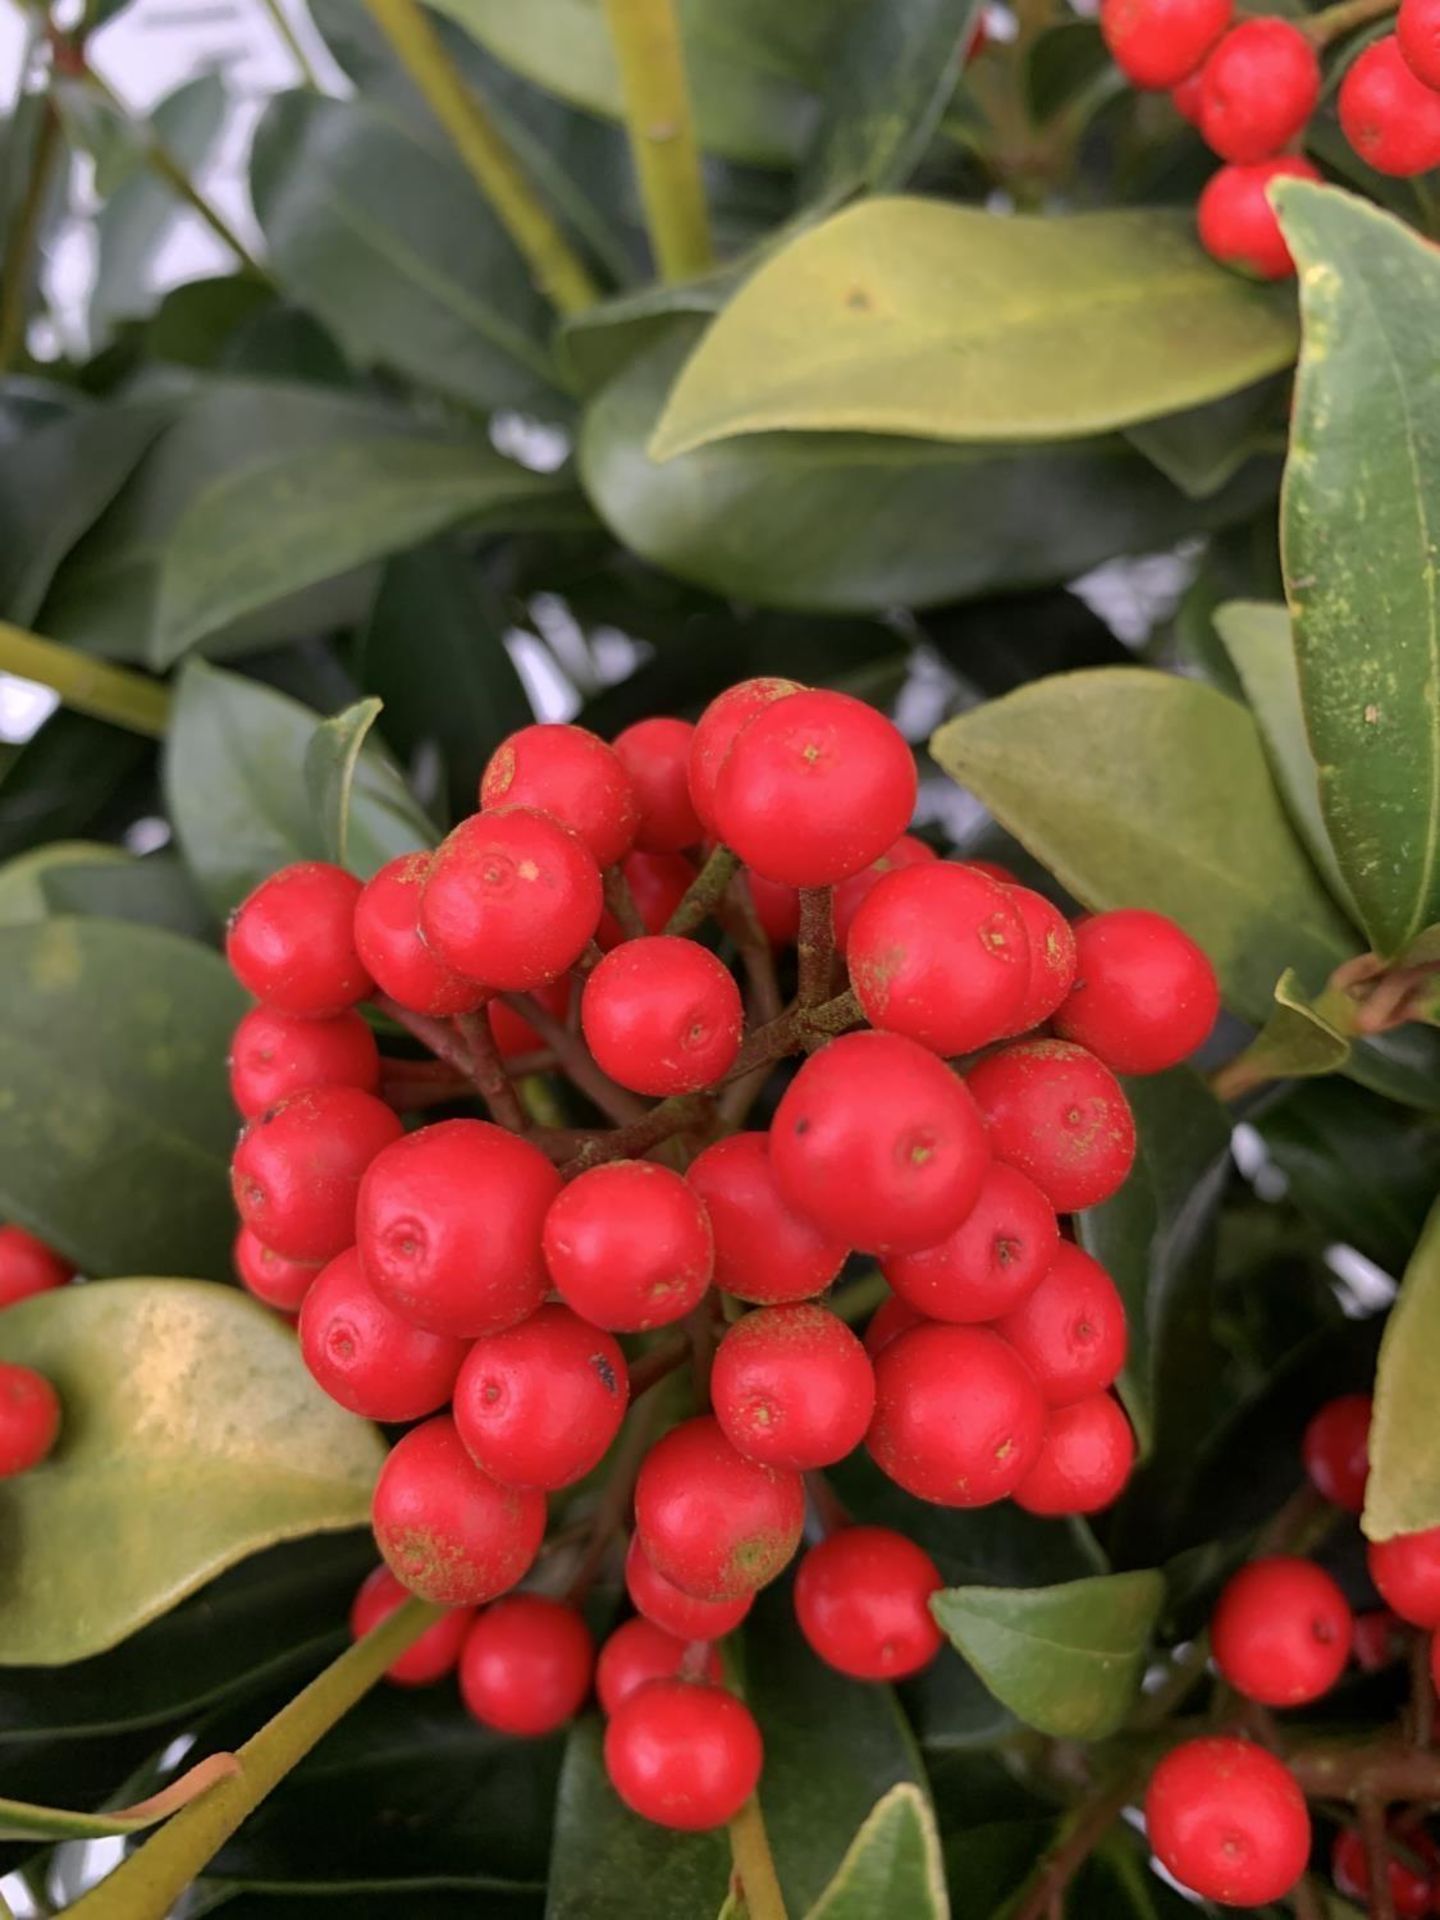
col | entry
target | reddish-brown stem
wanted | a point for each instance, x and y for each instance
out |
(496, 1088)
(658, 1363)
(1386, 1770)
(417, 1096)
(621, 902)
(699, 1327)
(682, 1113)
(577, 1061)
(443, 1040)
(1090, 1823)
(738, 918)
(816, 948)
(1422, 1691)
(1305, 1902)
(614, 1502)
(1377, 1858)
(705, 892)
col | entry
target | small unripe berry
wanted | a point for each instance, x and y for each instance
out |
(862, 1599)
(526, 1664)
(958, 1418)
(1070, 1329)
(658, 882)
(718, 1525)
(1050, 939)
(656, 755)
(1145, 996)
(997, 1255)
(425, 1660)
(792, 1386)
(1237, 224)
(538, 1404)
(1336, 1450)
(1156, 43)
(512, 900)
(292, 942)
(852, 894)
(670, 1607)
(1281, 1631)
(715, 734)
(662, 1015)
(1409, 1885)
(366, 1356)
(879, 1144)
(1084, 1462)
(765, 1251)
(889, 1320)
(683, 1755)
(1406, 1572)
(1227, 1819)
(387, 933)
(28, 1266)
(298, 1168)
(29, 1418)
(1060, 1116)
(640, 1652)
(1390, 118)
(1259, 87)
(629, 1246)
(274, 1055)
(1417, 28)
(446, 1529)
(572, 775)
(278, 1282)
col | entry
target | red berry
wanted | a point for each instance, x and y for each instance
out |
(1145, 996)
(640, 1652)
(1350, 1866)
(274, 1055)
(1390, 118)
(1228, 1821)
(512, 900)
(878, 1144)
(629, 1246)
(996, 1256)
(713, 738)
(292, 943)
(1070, 1330)
(448, 1227)
(814, 788)
(715, 1523)
(765, 1251)
(1259, 87)
(889, 1320)
(280, 1283)
(1417, 28)
(28, 1266)
(958, 1418)
(1084, 1462)
(298, 1167)
(425, 1660)
(1185, 96)
(526, 1664)
(1238, 225)
(852, 894)
(513, 1033)
(447, 1530)
(538, 1404)
(862, 1599)
(993, 870)
(29, 1418)
(656, 755)
(1336, 1452)
(387, 933)
(1379, 1640)
(658, 882)
(1057, 1114)
(792, 1386)
(662, 1015)
(683, 1755)
(1050, 939)
(1406, 1572)
(1281, 1631)
(670, 1607)
(939, 953)
(777, 909)
(1156, 43)
(574, 777)
(366, 1356)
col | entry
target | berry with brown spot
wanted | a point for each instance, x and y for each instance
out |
(538, 1404)
(446, 1529)
(629, 1247)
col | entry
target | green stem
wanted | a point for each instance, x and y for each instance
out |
(1332, 23)
(281, 21)
(90, 686)
(705, 891)
(755, 1864)
(151, 1880)
(558, 270)
(646, 38)
(23, 247)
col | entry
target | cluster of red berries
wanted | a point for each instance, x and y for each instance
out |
(1250, 88)
(29, 1404)
(457, 1265)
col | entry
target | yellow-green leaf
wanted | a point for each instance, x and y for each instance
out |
(893, 1865)
(1403, 1491)
(1302, 1038)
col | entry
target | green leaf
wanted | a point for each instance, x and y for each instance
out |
(22, 1820)
(192, 1435)
(893, 1865)
(332, 763)
(155, 891)
(1203, 447)
(1359, 541)
(1068, 1660)
(598, 342)
(1064, 63)
(65, 780)
(906, 316)
(115, 1120)
(22, 880)
(1402, 1494)
(1302, 1037)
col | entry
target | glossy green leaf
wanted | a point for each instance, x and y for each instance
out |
(905, 316)
(333, 762)
(116, 1126)
(1359, 541)
(893, 1865)
(1061, 64)
(1301, 1038)
(600, 340)
(156, 891)
(181, 1401)
(65, 780)
(1067, 1660)
(22, 889)
(1202, 447)
(1402, 1494)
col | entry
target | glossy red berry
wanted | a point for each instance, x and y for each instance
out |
(889, 1320)
(792, 1386)
(777, 909)
(1228, 1821)
(1156, 43)
(448, 1227)
(1336, 1450)
(28, 1266)
(1185, 97)
(765, 1251)
(1417, 28)
(29, 1418)
(1390, 118)
(715, 734)
(298, 1168)
(1239, 227)
(995, 1257)
(1050, 941)
(662, 1015)
(1260, 85)
(939, 953)
(366, 1356)
(814, 789)
(879, 1144)
(513, 1033)
(852, 894)
(1059, 1115)
(573, 776)
(292, 942)
(683, 1755)
(667, 1606)
(1406, 1573)
(387, 934)
(1380, 1640)
(656, 755)
(278, 1282)
(862, 1599)
(274, 1055)
(658, 882)
(446, 1529)
(959, 1420)
(1070, 1329)
(526, 1664)
(1145, 996)
(640, 1652)
(1281, 1631)
(715, 1523)
(1350, 1868)
(425, 1660)
(1084, 1462)
(538, 1404)
(629, 1247)
(512, 900)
